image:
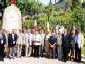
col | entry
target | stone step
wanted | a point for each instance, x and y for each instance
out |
(32, 60)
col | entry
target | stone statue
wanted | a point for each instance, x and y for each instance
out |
(12, 17)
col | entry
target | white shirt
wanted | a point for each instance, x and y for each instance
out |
(20, 37)
(1, 37)
(26, 38)
(30, 37)
(36, 38)
(47, 36)
(78, 39)
(59, 40)
(23, 39)
(13, 36)
(82, 40)
(42, 38)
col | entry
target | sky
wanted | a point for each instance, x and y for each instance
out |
(46, 2)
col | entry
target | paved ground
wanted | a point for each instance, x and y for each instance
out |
(32, 60)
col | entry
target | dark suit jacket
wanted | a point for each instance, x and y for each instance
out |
(11, 39)
(3, 39)
(52, 40)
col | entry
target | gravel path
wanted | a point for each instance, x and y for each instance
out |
(31, 60)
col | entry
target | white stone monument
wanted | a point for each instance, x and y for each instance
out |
(12, 18)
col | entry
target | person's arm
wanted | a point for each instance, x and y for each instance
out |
(79, 41)
(30, 40)
(82, 40)
(16, 37)
(52, 45)
(6, 40)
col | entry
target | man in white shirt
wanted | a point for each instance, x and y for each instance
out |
(37, 43)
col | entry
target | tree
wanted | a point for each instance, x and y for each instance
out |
(52, 14)
(75, 3)
(30, 7)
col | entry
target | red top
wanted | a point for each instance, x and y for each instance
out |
(13, 1)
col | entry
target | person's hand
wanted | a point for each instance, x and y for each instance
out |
(5, 45)
(27, 45)
(52, 46)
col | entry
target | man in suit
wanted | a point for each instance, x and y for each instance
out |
(12, 39)
(2, 43)
(65, 45)
(52, 45)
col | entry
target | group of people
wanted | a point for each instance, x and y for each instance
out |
(64, 44)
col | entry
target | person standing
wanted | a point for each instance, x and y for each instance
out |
(72, 44)
(37, 43)
(52, 45)
(65, 45)
(59, 45)
(2, 43)
(4, 33)
(47, 36)
(12, 39)
(78, 41)
(28, 48)
(26, 44)
(19, 43)
(42, 34)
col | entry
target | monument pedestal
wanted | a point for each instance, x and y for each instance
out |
(12, 18)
